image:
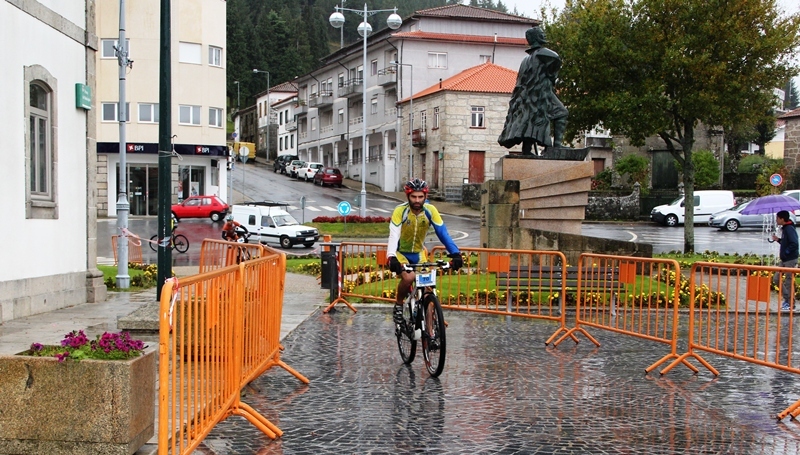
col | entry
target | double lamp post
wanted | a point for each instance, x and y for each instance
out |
(364, 29)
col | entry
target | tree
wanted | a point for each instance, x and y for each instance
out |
(790, 101)
(706, 167)
(646, 68)
(636, 168)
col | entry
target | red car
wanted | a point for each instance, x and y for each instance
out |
(328, 176)
(201, 207)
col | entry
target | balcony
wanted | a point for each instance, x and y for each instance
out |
(326, 130)
(351, 88)
(321, 99)
(419, 138)
(301, 108)
(598, 142)
(290, 126)
(387, 76)
(357, 120)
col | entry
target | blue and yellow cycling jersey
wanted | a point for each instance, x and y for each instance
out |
(407, 232)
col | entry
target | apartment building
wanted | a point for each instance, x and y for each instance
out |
(49, 237)
(272, 108)
(198, 102)
(429, 47)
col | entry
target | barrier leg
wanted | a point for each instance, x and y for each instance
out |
(259, 421)
(557, 332)
(571, 334)
(683, 359)
(292, 371)
(339, 298)
(792, 410)
(667, 357)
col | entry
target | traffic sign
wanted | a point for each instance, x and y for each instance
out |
(343, 208)
(776, 179)
(244, 153)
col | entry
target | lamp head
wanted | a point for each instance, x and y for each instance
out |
(364, 29)
(336, 19)
(394, 21)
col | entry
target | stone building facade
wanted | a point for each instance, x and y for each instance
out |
(791, 144)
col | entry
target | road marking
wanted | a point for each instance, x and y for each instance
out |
(382, 210)
(462, 234)
(633, 236)
(313, 209)
(330, 209)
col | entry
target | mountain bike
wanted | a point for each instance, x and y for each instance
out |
(178, 242)
(424, 320)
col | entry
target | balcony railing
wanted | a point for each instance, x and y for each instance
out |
(321, 99)
(351, 87)
(301, 109)
(389, 113)
(357, 120)
(419, 138)
(387, 76)
(326, 129)
(291, 126)
(302, 135)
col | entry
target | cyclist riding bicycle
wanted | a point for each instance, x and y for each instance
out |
(229, 229)
(407, 229)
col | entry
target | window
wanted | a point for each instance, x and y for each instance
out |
(313, 89)
(189, 115)
(437, 60)
(215, 117)
(40, 146)
(148, 113)
(190, 53)
(280, 118)
(313, 124)
(280, 144)
(107, 47)
(330, 86)
(374, 106)
(214, 56)
(485, 58)
(341, 79)
(477, 117)
(291, 141)
(423, 120)
(436, 118)
(341, 115)
(360, 72)
(373, 67)
(110, 111)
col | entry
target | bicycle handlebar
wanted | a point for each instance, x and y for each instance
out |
(444, 265)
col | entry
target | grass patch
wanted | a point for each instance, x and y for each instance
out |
(353, 230)
(140, 279)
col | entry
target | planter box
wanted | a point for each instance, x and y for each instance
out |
(86, 407)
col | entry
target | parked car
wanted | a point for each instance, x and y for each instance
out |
(308, 171)
(732, 219)
(293, 166)
(280, 163)
(328, 176)
(706, 203)
(201, 207)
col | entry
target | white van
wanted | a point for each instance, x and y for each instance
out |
(706, 203)
(269, 222)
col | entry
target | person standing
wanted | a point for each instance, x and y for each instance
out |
(788, 257)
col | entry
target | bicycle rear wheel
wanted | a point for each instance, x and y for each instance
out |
(434, 344)
(154, 243)
(180, 243)
(406, 344)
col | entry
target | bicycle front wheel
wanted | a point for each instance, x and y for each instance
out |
(405, 343)
(154, 243)
(180, 243)
(434, 344)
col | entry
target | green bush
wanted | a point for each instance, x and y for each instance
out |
(706, 169)
(602, 181)
(636, 168)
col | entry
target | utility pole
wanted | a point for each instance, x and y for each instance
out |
(164, 147)
(123, 205)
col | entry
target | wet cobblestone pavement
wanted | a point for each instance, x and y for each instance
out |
(504, 392)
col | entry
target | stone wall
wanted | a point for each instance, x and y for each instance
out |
(614, 208)
(791, 143)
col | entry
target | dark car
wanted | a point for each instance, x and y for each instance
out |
(280, 163)
(328, 176)
(200, 207)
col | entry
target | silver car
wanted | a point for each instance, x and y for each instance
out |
(732, 219)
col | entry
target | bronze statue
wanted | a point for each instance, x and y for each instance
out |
(534, 103)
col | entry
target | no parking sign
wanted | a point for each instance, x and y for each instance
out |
(775, 179)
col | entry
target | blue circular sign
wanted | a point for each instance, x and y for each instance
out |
(775, 179)
(343, 208)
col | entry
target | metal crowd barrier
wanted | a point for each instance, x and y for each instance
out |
(629, 295)
(218, 331)
(362, 273)
(215, 254)
(134, 250)
(735, 312)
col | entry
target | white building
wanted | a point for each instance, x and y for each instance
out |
(432, 45)
(271, 116)
(198, 102)
(287, 125)
(49, 238)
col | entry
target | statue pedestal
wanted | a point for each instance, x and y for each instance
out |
(553, 192)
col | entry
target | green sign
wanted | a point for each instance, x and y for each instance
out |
(83, 96)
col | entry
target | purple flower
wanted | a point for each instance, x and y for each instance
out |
(61, 357)
(36, 347)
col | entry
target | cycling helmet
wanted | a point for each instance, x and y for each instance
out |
(229, 218)
(416, 185)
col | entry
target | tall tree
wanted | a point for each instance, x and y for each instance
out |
(790, 101)
(646, 68)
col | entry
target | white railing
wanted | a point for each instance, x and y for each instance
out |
(391, 112)
(357, 120)
(326, 129)
(302, 135)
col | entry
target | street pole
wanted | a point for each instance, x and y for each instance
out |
(123, 280)
(364, 29)
(410, 117)
(164, 147)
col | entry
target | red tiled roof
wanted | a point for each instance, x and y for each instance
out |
(453, 37)
(791, 114)
(472, 12)
(287, 86)
(484, 78)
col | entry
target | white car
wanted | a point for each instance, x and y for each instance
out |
(308, 171)
(293, 166)
(268, 222)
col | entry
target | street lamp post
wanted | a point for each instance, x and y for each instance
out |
(410, 119)
(256, 71)
(364, 29)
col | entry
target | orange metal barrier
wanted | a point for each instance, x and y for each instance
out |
(216, 254)
(629, 295)
(515, 282)
(735, 312)
(363, 274)
(218, 331)
(134, 250)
